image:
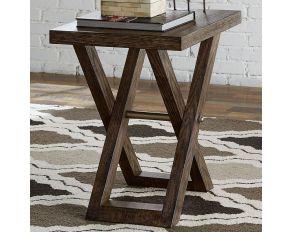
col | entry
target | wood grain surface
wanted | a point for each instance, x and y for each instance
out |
(115, 113)
(117, 131)
(104, 101)
(179, 38)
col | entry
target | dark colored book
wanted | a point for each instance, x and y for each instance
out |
(162, 22)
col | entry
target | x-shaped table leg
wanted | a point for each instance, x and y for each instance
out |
(176, 108)
(188, 160)
(104, 101)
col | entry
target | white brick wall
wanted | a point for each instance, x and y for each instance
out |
(238, 60)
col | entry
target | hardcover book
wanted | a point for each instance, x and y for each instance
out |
(162, 22)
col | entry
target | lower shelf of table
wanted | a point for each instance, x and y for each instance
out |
(129, 212)
(160, 180)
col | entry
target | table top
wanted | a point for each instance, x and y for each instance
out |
(205, 26)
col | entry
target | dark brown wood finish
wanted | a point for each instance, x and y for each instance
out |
(189, 169)
(117, 130)
(175, 105)
(180, 38)
(168, 86)
(129, 212)
(104, 101)
(201, 79)
(147, 115)
(187, 146)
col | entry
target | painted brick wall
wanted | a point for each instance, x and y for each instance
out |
(238, 61)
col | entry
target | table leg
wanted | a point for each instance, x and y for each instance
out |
(187, 148)
(175, 105)
(116, 132)
(188, 160)
(104, 101)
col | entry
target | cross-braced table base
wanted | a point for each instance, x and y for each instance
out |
(115, 114)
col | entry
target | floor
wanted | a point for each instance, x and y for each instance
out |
(243, 103)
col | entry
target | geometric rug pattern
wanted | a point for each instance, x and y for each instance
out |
(66, 144)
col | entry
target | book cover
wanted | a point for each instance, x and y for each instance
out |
(161, 22)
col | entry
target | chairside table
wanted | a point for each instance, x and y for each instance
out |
(115, 113)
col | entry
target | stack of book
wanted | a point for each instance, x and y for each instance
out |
(136, 8)
(162, 22)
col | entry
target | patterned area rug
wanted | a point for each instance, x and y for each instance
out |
(66, 144)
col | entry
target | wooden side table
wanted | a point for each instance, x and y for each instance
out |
(115, 113)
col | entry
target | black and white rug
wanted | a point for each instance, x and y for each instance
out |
(66, 144)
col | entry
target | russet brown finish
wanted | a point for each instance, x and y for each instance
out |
(147, 115)
(104, 100)
(116, 131)
(187, 146)
(179, 38)
(189, 169)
